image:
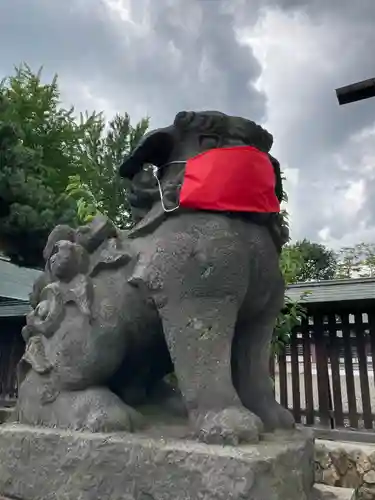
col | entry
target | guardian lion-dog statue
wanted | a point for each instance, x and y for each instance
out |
(192, 292)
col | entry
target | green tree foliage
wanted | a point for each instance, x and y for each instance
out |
(290, 317)
(367, 253)
(356, 261)
(45, 151)
(291, 262)
(292, 314)
(349, 263)
(38, 141)
(312, 261)
(97, 186)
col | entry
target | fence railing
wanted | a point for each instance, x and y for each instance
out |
(326, 377)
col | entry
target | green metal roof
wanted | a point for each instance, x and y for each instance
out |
(333, 290)
(11, 308)
(16, 282)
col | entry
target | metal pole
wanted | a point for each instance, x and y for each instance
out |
(356, 91)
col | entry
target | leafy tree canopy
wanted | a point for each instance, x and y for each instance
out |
(356, 261)
(309, 261)
(51, 161)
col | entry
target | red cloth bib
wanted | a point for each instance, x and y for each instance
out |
(234, 179)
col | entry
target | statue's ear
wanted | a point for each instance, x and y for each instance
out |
(155, 148)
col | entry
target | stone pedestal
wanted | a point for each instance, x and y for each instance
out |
(46, 464)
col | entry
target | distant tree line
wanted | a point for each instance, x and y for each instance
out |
(307, 261)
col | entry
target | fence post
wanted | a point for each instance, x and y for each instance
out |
(334, 354)
(324, 395)
(349, 372)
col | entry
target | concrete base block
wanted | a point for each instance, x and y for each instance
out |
(46, 464)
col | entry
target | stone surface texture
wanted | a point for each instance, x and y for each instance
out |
(47, 464)
(324, 492)
(347, 465)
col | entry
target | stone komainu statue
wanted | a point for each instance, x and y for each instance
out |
(195, 292)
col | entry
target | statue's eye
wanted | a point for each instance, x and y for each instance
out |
(208, 142)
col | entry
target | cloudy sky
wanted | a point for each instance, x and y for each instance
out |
(273, 61)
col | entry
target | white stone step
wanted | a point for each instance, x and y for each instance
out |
(324, 492)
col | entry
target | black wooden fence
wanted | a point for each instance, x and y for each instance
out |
(326, 377)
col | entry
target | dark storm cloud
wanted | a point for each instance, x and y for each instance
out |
(353, 33)
(320, 130)
(186, 56)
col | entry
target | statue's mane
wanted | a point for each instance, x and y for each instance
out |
(229, 127)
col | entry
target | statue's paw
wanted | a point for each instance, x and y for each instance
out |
(274, 416)
(116, 418)
(94, 409)
(230, 426)
(99, 410)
